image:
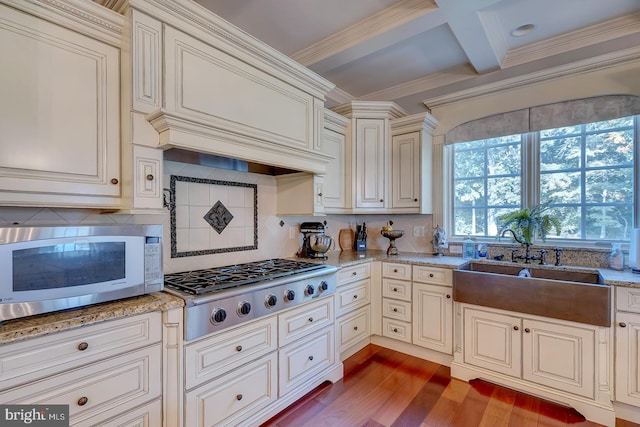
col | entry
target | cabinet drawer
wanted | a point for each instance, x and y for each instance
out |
(29, 360)
(433, 275)
(304, 320)
(353, 328)
(396, 271)
(397, 289)
(302, 360)
(396, 329)
(149, 415)
(213, 356)
(353, 296)
(353, 273)
(230, 398)
(628, 299)
(395, 309)
(99, 391)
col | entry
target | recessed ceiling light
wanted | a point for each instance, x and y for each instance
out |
(523, 30)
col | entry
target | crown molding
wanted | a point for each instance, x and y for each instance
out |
(85, 17)
(339, 96)
(620, 27)
(573, 69)
(413, 123)
(401, 12)
(423, 84)
(334, 121)
(371, 109)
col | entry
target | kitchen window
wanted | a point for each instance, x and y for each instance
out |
(586, 171)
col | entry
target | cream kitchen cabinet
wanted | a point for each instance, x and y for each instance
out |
(411, 163)
(353, 309)
(432, 322)
(300, 194)
(554, 354)
(627, 330)
(105, 372)
(336, 187)
(60, 105)
(396, 301)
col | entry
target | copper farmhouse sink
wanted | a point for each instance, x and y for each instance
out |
(578, 296)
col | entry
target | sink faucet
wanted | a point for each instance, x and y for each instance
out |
(527, 257)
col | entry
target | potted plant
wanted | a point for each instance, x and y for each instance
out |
(527, 224)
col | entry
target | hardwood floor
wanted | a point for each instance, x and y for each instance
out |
(382, 387)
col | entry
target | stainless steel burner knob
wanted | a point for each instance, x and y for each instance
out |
(244, 308)
(289, 295)
(270, 301)
(323, 286)
(218, 315)
(309, 290)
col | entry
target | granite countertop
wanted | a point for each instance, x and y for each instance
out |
(346, 258)
(34, 326)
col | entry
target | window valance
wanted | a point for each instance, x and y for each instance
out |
(549, 116)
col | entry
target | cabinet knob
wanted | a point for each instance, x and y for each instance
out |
(238, 397)
(355, 328)
(431, 275)
(527, 330)
(354, 273)
(622, 324)
(415, 200)
(319, 194)
(83, 346)
(83, 401)
(395, 270)
(395, 289)
(381, 200)
(395, 310)
(310, 357)
(355, 297)
(448, 296)
(149, 177)
(310, 319)
(114, 181)
(515, 328)
(239, 348)
(395, 329)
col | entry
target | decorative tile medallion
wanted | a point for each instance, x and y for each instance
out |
(210, 216)
(218, 217)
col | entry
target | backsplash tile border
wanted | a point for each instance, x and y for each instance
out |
(172, 216)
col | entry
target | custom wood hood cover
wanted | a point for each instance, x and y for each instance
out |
(222, 92)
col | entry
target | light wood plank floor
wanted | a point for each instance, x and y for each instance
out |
(382, 387)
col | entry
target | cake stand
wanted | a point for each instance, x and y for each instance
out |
(392, 235)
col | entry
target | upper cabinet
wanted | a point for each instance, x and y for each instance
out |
(387, 159)
(59, 105)
(207, 86)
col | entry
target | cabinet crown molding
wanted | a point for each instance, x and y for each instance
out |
(371, 109)
(413, 123)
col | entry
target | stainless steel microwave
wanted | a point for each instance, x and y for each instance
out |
(47, 269)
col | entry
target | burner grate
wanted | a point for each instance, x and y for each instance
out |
(204, 281)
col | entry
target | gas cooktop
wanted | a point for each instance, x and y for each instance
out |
(199, 282)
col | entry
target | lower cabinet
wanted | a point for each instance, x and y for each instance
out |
(353, 328)
(627, 327)
(433, 317)
(549, 353)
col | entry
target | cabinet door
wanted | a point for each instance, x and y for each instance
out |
(148, 178)
(405, 171)
(628, 358)
(353, 328)
(492, 341)
(334, 180)
(559, 356)
(59, 115)
(370, 163)
(433, 317)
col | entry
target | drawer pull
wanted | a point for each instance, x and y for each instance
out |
(83, 401)
(395, 329)
(114, 181)
(395, 309)
(310, 319)
(239, 348)
(83, 346)
(149, 177)
(515, 328)
(527, 330)
(395, 289)
(355, 273)
(430, 274)
(355, 328)
(355, 296)
(310, 357)
(238, 397)
(448, 296)
(622, 325)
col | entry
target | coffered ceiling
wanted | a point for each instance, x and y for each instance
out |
(425, 52)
